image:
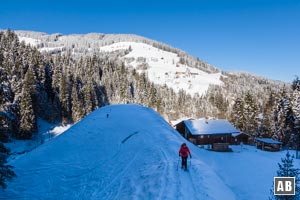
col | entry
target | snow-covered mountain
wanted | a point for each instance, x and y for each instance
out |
(164, 65)
(107, 156)
(81, 73)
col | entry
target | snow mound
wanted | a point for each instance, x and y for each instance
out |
(117, 152)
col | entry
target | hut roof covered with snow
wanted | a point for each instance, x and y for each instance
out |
(210, 126)
(268, 141)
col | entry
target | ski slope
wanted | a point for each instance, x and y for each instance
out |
(117, 152)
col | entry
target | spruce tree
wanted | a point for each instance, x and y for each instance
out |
(27, 116)
(267, 128)
(287, 169)
(28, 120)
(237, 115)
(77, 104)
(6, 172)
(251, 114)
(88, 99)
(286, 119)
(64, 99)
(295, 104)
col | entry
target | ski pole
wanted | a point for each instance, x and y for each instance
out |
(178, 163)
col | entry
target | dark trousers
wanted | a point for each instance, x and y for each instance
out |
(184, 162)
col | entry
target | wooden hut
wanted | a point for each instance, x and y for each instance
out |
(268, 144)
(213, 132)
(238, 138)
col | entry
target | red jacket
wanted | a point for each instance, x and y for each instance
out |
(184, 151)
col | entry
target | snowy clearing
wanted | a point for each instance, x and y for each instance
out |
(247, 171)
(163, 68)
(28, 40)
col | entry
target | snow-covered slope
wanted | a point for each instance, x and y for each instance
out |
(164, 68)
(159, 61)
(117, 152)
(130, 152)
(31, 41)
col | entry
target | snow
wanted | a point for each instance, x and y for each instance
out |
(59, 129)
(210, 126)
(248, 171)
(46, 132)
(130, 152)
(177, 121)
(112, 157)
(268, 140)
(28, 40)
(164, 68)
(51, 49)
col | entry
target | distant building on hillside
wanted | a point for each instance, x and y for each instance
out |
(215, 132)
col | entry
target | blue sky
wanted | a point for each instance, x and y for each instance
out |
(258, 36)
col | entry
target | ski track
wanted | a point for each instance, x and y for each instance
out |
(165, 176)
(117, 177)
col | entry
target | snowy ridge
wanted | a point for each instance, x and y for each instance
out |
(106, 156)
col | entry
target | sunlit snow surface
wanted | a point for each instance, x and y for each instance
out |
(107, 156)
(164, 68)
(130, 152)
(31, 41)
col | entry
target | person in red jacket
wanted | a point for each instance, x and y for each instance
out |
(184, 152)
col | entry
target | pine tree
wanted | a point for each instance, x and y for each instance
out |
(295, 104)
(280, 117)
(153, 96)
(88, 99)
(267, 128)
(251, 114)
(6, 172)
(286, 169)
(64, 99)
(28, 121)
(27, 116)
(286, 119)
(77, 104)
(237, 115)
(221, 104)
(57, 72)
